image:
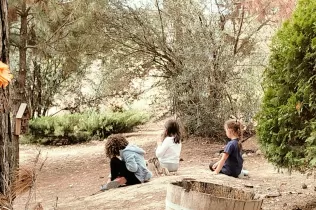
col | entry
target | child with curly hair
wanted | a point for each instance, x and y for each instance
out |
(127, 163)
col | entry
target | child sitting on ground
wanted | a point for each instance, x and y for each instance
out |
(127, 163)
(169, 147)
(231, 162)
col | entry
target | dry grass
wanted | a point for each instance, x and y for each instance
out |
(24, 181)
(38, 206)
(5, 202)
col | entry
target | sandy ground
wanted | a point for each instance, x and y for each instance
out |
(71, 175)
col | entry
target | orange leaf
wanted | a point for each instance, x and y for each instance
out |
(5, 75)
(3, 66)
(298, 106)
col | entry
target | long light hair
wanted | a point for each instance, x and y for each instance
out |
(237, 128)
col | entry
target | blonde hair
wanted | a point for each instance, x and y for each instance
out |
(237, 127)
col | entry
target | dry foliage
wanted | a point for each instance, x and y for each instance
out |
(5, 202)
(25, 182)
(38, 206)
(205, 57)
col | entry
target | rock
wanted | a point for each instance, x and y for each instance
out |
(250, 154)
(291, 193)
(273, 195)
(258, 152)
(248, 185)
(309, 174)
(244, 155)
(181, 159)
(304, 186)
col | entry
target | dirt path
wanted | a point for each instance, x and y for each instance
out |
(73, 173)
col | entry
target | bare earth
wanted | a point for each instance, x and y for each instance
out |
(72, 174)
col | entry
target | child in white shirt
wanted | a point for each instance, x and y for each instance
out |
(169, 147)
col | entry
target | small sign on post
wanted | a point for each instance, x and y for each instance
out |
(22, 119)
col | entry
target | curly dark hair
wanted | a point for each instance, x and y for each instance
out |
(114, 144)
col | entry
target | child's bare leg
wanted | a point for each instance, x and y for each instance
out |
(165, 171)
(154, 166)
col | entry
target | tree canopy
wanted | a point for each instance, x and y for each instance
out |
(287, 121)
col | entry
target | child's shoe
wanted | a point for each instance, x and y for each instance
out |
(110, 185)
(243, 173)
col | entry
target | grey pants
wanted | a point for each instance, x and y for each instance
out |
(172, 167)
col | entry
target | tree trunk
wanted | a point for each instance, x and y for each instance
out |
(193, 195)
(22, 49)
(8, 159)
(19, 90)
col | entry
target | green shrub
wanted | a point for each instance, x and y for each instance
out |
(76, 128)
(287, 121)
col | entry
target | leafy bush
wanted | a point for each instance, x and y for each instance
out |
(287, 121)
(76, 128)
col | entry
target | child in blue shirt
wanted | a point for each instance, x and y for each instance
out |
(231, 162)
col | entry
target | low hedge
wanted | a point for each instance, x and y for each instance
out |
(77, 128)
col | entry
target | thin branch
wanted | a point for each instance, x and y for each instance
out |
(254, 32)
(161, 22)
(66, 23)
(27, 11)
(159, 76)
(31, 46)
(18, 10)
(239, 30)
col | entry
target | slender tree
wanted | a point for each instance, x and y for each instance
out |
(8, 147)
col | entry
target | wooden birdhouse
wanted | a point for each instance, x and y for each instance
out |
(22, 119)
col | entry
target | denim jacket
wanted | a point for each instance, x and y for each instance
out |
(133, 156)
